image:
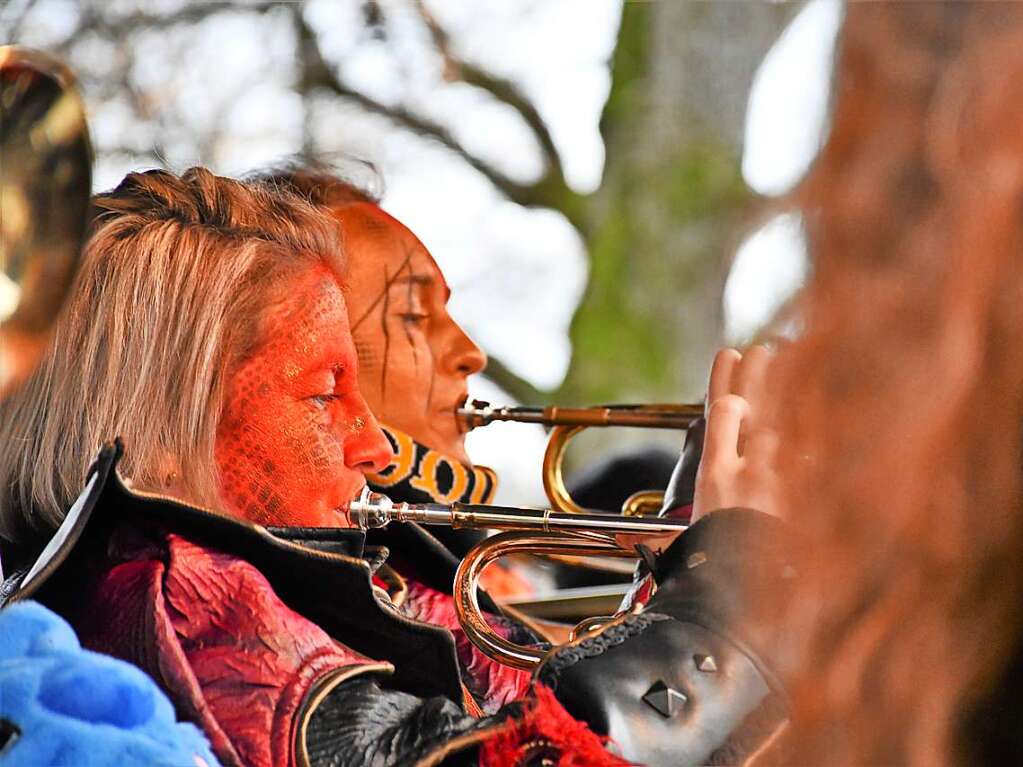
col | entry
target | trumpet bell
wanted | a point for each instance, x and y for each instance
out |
(45, 183)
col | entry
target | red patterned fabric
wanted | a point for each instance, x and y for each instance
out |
(490, 682)
(208, 627)
(546, 730)
(237, 661)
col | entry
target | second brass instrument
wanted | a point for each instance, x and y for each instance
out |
(567, 422)
(375, 510)
(668, 416)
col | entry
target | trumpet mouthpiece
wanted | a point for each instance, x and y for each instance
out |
(370, 510)
(475, 413)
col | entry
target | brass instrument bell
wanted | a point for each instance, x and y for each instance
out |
(45, 183)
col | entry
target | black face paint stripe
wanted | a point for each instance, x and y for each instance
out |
(429, 392)
(383, 294)
(408, 333)
(387, 337)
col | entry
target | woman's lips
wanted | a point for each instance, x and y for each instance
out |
(345, 506)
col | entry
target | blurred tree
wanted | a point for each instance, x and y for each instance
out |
(663, 224)
(658, 231)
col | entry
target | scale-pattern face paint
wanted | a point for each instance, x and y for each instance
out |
(296, 435)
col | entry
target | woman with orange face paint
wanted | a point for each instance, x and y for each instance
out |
(208, 330)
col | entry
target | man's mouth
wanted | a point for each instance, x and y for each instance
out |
(463, 425)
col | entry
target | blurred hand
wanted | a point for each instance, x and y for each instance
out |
(738, 466)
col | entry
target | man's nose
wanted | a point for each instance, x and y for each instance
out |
(465, 356)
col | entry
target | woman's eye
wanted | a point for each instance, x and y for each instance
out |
(322, 400)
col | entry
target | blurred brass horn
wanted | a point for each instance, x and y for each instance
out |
(45, 183)
(566, 423)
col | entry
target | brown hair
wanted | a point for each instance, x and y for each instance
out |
(317, 182)
(907, 390)
(174, 279)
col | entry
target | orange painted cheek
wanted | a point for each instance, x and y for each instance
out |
(280, 459)
(279, 465)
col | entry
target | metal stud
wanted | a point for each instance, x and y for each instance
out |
(695, 560)
(664, 700)
(705, 663)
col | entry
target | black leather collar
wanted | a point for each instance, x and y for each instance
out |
(331, 588)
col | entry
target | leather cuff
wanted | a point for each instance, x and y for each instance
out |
(690, 680)
(666, 692)
(731, 572)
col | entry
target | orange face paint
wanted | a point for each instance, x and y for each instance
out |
(414, 358)
(296, 436)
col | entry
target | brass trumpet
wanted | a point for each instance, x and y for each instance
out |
(567, 422)
(533, 531)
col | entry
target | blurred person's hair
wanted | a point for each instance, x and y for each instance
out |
(328, 182)
(905, 398)
(175, 278)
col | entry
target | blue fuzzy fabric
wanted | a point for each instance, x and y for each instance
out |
(75, 708)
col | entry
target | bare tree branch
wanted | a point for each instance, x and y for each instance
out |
(95, 19)
(15, 25)
(519, 388)
(316, 73)
(505, 91)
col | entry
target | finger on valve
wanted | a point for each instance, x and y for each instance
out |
(722, 371)
(751, 373)
(717, 476)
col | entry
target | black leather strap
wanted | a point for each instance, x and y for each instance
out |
(681, 487)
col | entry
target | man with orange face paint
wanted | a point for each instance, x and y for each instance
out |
(414, 359)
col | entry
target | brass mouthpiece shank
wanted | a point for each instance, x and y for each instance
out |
(478, 413)
(375, 510)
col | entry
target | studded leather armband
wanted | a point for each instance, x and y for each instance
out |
(691, 680)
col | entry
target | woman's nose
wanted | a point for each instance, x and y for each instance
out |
(367, 449)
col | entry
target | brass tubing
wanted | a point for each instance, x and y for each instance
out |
(552, 472)
(529, 531)
(667, 416)
(467, 606)
(567, 422)
(374, 510)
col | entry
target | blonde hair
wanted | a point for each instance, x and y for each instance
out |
(174, 280)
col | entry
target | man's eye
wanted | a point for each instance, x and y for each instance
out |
(413, 318)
